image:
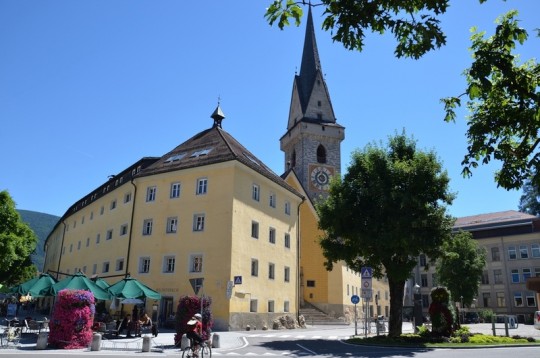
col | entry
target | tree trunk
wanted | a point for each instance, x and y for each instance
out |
(395, 321)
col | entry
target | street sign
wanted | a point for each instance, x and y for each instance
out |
(237, 280)
(355, 299)
(366, 293)
(196, 283)
(366, 284)
(366, 272)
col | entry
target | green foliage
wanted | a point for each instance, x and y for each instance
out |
(529, 201)
(486, 315)
(414, 24)
(441, 317)
(17, 243)
(387, 210)
(460, 268)
(504, 105)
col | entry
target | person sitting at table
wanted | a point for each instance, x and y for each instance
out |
(124, 324)
(145, 321)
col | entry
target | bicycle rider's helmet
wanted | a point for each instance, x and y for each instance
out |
(198, 316)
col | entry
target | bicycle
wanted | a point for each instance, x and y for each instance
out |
(10, 335)
(205, 350)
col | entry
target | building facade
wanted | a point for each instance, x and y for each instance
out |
(207, 217)
(511, 240)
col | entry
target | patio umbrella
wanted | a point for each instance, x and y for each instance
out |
(42, 287)
(130, 287)
(80, 282)
(101, 282)
(23, 288)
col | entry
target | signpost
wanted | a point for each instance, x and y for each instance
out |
(355, 299)
(366, 274)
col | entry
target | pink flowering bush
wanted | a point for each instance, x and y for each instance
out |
(187, 307)
(71, 322)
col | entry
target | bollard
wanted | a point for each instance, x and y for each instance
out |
(185, 342)
(215, 340)
(146, 342)
(42, 340)
(96, 342)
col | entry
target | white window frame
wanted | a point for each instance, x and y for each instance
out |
(109, 234)
(254, 267)
(175, 190)
(151, 192)
(518, 297)
(196, 263)
(256, 192)
(253, 305)
(272, 200)
(523, 252)
(271, 306)
(202, 186)
(169, 263)
(287, 274)
(535, 250)
(287, 240)
(512, 253)
(254, 229)
(198, 222)
(172, 225)
(147, 227)
(287, 208)
(272, 235)
(119, 266)
(105, 267)
(271, 271)
(144, 264)
(123, 230)
(127, 197)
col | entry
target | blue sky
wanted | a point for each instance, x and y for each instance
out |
(89, 87)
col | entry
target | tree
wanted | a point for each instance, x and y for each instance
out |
(529, 202)
(504, 105)
(389, 207)
(416, 33)
(17, 243)
(460, 267)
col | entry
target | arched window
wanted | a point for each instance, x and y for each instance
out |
(321, 154)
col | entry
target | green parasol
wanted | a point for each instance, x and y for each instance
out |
(130, 287)
(80, 282)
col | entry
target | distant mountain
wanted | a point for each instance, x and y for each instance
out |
(41, 224)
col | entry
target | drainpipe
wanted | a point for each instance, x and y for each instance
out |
(131, 227)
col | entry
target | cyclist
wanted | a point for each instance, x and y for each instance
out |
(195, 332)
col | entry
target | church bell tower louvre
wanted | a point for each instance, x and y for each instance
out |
(312, 143)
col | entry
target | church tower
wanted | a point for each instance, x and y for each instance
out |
(313, 138)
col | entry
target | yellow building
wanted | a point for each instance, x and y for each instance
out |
(207, 214)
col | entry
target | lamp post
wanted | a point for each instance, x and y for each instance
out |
(417, 308)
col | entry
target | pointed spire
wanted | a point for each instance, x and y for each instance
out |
(218, 115)
(310, 56)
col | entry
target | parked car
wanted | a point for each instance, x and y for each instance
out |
(471, 317)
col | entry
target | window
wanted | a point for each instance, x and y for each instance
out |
(271, 306)
(79, 245)
(254, 229)
(434, 282)
(105, 268)
(523, 252)
(253, 306)
(151, 193)
(535, 250)
(271, 271)
(310, 283)
(423, 280)
(196, 263)
(287, 240)
(530, 298)
(175, 190)
(119, 264)
(422, 260)
(518, 299)
(92, 215)
(94, 269)
(512, 253)
(272, 200)
(321, 151)
(255, 192)
(272, 235)
(87, 241)
(172, 224)
(144, 265)
(515, 275)
(526, 274)
(254, 267)
(168, 264)
(202, 186)
(286, 306)
(113, 204)
(501, 302)
(287, 208)
(495, 254)
(287, 274)
(497, 276)
(123, 230)
(98, 237)
(485, 277)
(101, 210)
(198, 222)
(147, 226)
(537, 272)
(486, 299)
(127, 198)
(109, 234)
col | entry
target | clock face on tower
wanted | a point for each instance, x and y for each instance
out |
(320, 176)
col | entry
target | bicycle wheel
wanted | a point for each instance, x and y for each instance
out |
(206, 351)
(187, 353)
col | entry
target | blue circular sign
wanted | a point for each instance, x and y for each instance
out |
(355, 299)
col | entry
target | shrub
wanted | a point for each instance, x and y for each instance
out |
(187, 307)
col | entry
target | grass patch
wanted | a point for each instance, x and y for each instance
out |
(460, 339)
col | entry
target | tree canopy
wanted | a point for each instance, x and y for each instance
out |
(389, 207)
(504, 105)
(17, 243)
(529, 202)
(460, 267)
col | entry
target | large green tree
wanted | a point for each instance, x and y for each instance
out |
(529, 202)
(389, 207)
(17, 243)
(504, 104)
(460, 267)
